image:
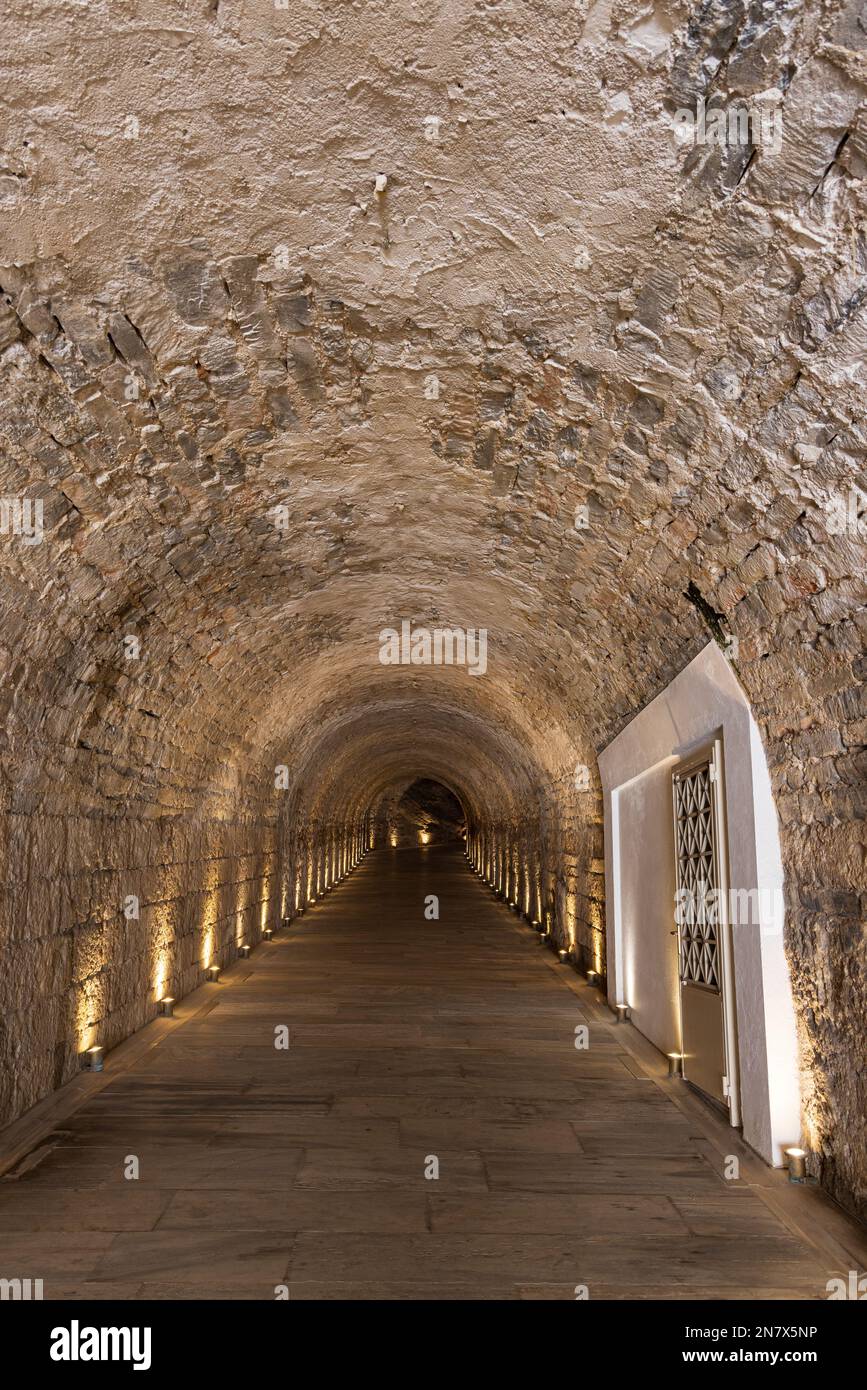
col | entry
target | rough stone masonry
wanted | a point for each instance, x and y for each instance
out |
(319, 318)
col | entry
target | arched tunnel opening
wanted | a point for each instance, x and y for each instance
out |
(425, 813)
(432, 540)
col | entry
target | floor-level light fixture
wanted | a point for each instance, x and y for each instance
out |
(213, 973)
(267, 933)
(244, 951)
(93, 1059)
(797, 1164)
(675, 1064)
(167, 1006)
(592, 977)
(563, 955)
(622, 1013)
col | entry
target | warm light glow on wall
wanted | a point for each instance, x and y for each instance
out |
(596, 924)
(161, 925)
(209, 914)
(571, 917)
(87, 1006)
(423, 836)
(810, 1102)
(160, 976)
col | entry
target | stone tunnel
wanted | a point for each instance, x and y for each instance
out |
(433, 464)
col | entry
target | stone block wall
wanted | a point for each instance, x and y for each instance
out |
(101, 917)
(552, 867)
(596, 453)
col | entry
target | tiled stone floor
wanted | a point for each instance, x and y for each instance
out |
(409, 1039)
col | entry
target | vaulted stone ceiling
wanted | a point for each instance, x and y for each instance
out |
(272, 410)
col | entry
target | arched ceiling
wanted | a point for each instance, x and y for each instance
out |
(211, 315)
(378, 745)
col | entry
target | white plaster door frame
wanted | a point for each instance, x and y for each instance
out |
(611, 833)
(618, 984)
(704, 699)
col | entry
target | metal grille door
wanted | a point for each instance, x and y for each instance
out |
(706, 980)
(698, 879)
